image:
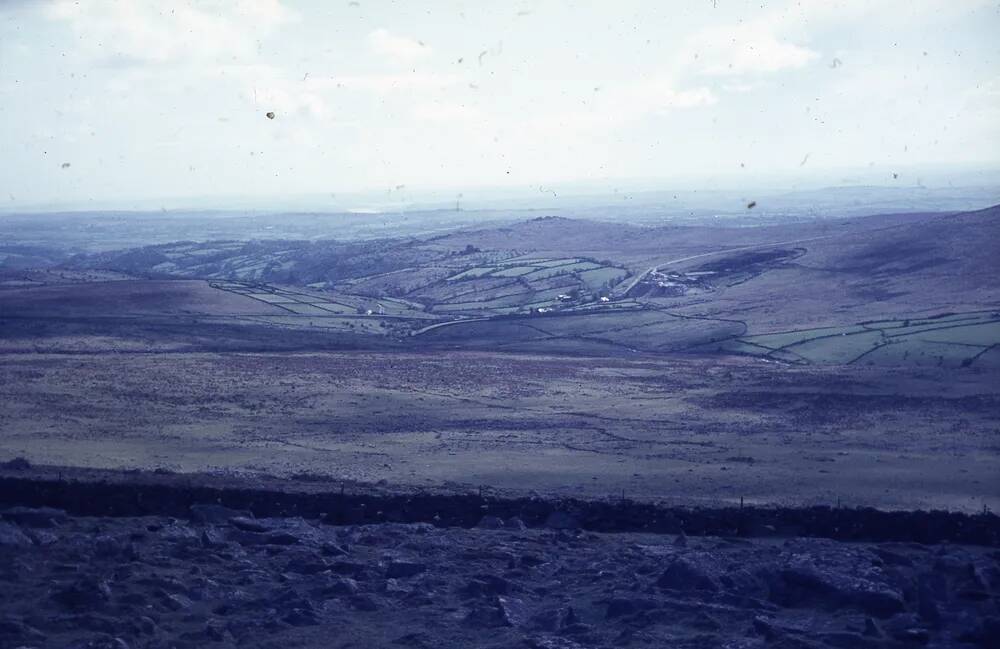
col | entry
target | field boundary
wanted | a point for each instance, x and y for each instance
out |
(120, 494)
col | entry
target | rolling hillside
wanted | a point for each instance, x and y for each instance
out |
(888, 289)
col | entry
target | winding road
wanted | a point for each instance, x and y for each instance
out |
(652, 269)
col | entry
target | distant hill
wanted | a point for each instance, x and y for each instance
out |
(913, 288)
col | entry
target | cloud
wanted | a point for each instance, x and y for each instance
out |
(621, 104)
(384, 84)
(399, 49)
(659, 95)
(133, 31)
(746, 48)
(270, 87)
(738, 87)
(445, 111)
(984, 97)
(284, 99)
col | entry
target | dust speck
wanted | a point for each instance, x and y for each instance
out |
(270, 114)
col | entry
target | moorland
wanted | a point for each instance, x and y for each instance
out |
(824, 360)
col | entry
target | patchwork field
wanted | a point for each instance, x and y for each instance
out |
(949, 340)
(806, 363)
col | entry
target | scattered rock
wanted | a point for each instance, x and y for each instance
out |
(552, 620)
(559, 520)
(619, 606)
(486, 585)
(798, 594)
(416, 640)
(111, 547)
(35, 516)
(249, 524)
(971, 584)
(254, 538)
(212, 538)
(13, 628)
(872, 629)
(880, 603)
(705, 622)
(101, 642)
(145, 625)
(514, 610)
(515, 523)
(216, 632)
(363, 603)
(927, 607)
(398, 569)
(766, 629)
(306, 563)
(42, 537)
(912, 635)
(487, 615)
(891, 558)
(12, 536)
(805, 585)
(83, 594)
(683, 574)
(175, 601)
(551, 643)
(210, 513)
(333, 550)
(490, 523)
(301, 617)
(531, 560)
(89, 621)
(280, 538)
(177, 532)
(337, 585)
(983, 634)
(354, 569)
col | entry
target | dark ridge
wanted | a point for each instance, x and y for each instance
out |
(174, 495)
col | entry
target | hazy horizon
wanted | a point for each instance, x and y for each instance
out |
(109, 105)
(979, 185)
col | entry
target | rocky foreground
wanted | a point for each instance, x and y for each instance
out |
(222, 578)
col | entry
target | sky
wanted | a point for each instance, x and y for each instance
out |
(113, 100)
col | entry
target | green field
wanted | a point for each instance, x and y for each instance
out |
(957, 339)
(596, 278)
(636, 329)
(320, 303)
(948, 340)
(538, 281)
